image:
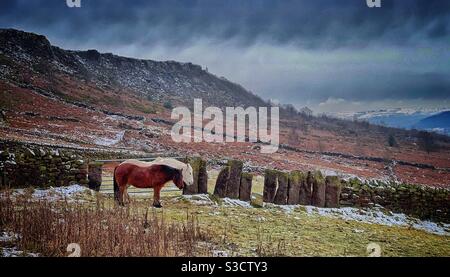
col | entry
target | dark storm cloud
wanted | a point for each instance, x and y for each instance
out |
(318, 23)
(387, 86)
(287, 49)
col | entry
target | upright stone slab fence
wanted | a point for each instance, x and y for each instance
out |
(296, 180)
(270, 185)
(281, 197)
(319, 189)
(306, 189)
(296, 188)
(332, 192)
(234, 179)
(233, 183)
(245, 191)
(220, 189)
(200, 185)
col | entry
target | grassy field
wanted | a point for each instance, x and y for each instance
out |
(243, 229)
(253, 231)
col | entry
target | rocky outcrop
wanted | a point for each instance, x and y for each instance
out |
(159, 81)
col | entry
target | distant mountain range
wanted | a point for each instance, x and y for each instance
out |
(438, 123)
(423, 119)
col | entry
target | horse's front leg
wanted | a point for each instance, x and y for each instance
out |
(156, 197)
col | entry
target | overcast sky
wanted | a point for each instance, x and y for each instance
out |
(330, 55)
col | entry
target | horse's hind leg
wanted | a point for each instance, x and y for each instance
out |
(156, 197)
(127, 198)
(120, 183)
(121, 193)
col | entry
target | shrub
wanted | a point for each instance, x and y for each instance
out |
(168, 105)
(427, 142)
(48, 228)
(392, 141)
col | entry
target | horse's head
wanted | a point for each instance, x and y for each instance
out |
(188, 175)
(178, 179)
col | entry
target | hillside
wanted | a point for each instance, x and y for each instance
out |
(156, 81)
(439, 122)
(91, 100)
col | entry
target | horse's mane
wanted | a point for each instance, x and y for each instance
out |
(160, 161)
(170, 162)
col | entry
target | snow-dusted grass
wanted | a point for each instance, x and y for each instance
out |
(376, 215)
(236, 203)
(198, 199)
(382, 217)
(207, 200)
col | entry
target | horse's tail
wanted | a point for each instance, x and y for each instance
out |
(116, 186)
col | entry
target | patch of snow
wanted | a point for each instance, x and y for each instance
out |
(236, 203)
(330, 172)
(261, 219)
(205, 199)
(55, 194)
(30, 151)
(199, 199)
(8, 237)
(14, 253)
(378, 216)
(110, 141)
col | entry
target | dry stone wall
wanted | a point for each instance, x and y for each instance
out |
(415, 200)
(23, 165)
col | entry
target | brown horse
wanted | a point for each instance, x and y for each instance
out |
(152, 176)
